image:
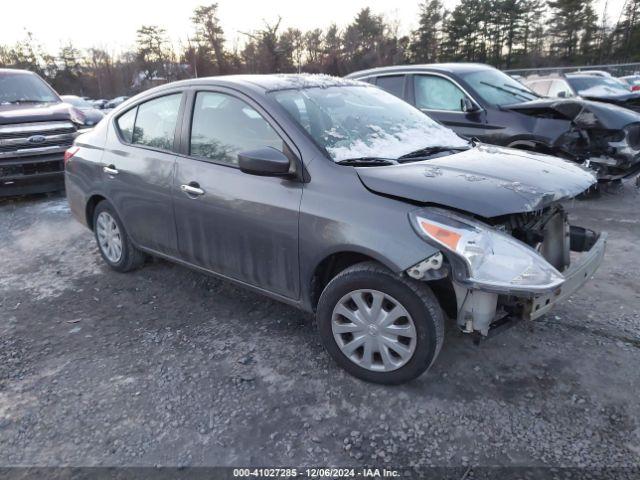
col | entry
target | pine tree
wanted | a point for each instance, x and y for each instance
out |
(425, 40)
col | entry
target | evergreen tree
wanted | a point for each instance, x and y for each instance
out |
(425, 40)
(210, 35)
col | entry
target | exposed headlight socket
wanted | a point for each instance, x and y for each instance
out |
(418, 271)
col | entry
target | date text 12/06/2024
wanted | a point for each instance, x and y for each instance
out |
(315, 473)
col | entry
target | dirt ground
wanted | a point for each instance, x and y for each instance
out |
(165, 366)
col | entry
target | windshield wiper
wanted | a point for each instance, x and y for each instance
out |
(523, 90)
(506, 90)
(27, 100)
(428, 151)
(367, 161)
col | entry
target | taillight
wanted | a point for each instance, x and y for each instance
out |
(70, 152)
(635, 88)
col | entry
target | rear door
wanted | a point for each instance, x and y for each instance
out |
(441, 99)
(236, 224)
(138, 170)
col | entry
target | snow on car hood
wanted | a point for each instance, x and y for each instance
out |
(487, 181)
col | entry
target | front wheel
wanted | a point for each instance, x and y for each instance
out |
(379, 326)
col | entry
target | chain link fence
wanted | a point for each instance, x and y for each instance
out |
(616, 69)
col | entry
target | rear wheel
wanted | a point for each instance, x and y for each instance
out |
(378, 326)
(113, 242)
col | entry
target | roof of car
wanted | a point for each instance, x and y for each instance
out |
(432, 67)
(271, 82)
(581, 75)
(4, 71)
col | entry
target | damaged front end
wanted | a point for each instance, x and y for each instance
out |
(517, 266)
(603, 137)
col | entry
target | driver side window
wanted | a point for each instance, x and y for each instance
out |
(437, 93)
(224, 126)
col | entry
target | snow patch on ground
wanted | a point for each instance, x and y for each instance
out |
(56, 206)
(61, 266)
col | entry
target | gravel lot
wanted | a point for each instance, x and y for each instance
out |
(167, 366)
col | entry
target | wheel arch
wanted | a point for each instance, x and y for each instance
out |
(90, 208)
(335, 262)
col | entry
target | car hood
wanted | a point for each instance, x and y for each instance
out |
(39, 112)
(487, 181)
(627, 100)
(584, 113)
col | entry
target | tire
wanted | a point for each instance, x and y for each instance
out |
(129, 257)
(364, 282)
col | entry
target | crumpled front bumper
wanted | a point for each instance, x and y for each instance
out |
(575, 276)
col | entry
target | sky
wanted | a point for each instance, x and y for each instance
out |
(113, 26)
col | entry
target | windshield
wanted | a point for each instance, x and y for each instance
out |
(599, 86)
(76, 101)
(497, 88)
(20, 87)
(359, 121)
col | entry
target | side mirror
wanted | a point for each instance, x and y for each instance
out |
(466, 105)
(562, 94)
(265, 161)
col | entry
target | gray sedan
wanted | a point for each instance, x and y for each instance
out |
(338, 198)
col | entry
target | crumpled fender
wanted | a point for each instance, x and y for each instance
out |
(583, 113)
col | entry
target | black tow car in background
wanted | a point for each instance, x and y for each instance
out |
(36, 128)
(480, 101)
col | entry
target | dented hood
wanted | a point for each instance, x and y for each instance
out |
(584, 113)
(487, 181)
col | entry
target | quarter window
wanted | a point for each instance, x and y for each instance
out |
(224, 125)
(125, 124)
(393, 84)
(437, 93)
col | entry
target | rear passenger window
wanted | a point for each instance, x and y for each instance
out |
(224, 125)
(125, 124)
(393, 84)
(155, 124)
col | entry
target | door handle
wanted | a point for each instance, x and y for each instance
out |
(192, 189)
(110, 169)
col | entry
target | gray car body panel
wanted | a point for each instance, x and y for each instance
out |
(298, 221)
(487, 181)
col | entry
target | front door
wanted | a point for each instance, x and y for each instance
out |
(441, 99)
(240, 225)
